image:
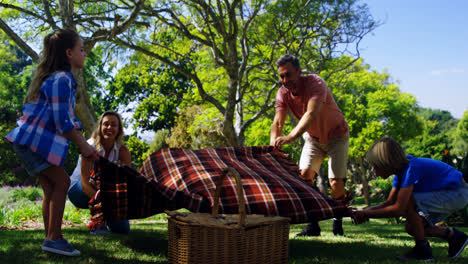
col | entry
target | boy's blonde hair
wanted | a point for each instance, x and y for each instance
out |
(97, 133)
(54, 58)
(386, 153)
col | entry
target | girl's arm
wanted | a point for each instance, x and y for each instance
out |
(87, 151)
(86, 166)
(125, 156)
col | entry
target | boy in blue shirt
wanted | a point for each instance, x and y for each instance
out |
(425, 191)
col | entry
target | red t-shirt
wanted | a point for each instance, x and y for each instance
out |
(330, 122)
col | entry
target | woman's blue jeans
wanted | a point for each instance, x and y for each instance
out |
(80, 200)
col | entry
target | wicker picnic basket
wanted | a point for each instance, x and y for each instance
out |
(212, 238)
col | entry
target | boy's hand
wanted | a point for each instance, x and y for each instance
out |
(359, 217)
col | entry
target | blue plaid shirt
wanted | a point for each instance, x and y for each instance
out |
(46, 119)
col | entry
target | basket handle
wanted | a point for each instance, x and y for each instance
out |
(240, 194)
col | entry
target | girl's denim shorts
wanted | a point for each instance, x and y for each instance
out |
(438, 205)
(32, 162)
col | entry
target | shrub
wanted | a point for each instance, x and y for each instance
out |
(381, 187)
(28, 193)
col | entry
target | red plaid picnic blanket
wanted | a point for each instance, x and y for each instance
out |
(123, 193)
(271, 182)
(179, 178)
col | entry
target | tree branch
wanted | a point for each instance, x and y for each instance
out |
(17, 39)
(191, 76)
(22, 10)
(50, 19)
(105, 33)
(267, 105)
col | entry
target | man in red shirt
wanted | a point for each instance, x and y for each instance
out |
(322, 125)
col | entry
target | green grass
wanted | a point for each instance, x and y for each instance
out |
(373, 242)
(377, 241)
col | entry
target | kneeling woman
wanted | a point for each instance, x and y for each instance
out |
(107, 138)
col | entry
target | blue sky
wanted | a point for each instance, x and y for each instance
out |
(423, 44)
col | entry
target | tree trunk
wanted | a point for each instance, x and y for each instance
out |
(239, 122)
(365, 184)
(83, 109)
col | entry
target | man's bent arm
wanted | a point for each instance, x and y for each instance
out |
(277, 126)
(313, 109)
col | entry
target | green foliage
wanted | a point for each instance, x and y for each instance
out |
(97, 72)
(381, 188)
(19, 204)
(461, 136)
(75, 215)
(28, 193)
(429, 144)
(16, 213)
(258, 134)
(197, 128)
(157, 90)
(15, 69)
(230, 58)
(159, 140)
(373, 106)
(445, 122)
(139, 150)
(435, 141)
(180, 138)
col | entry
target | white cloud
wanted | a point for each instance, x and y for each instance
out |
(438, 72)
(458, 70)
(444, 71)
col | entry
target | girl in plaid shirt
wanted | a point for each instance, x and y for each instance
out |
(42, 136)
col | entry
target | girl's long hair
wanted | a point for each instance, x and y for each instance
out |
(97, 133)
(54, 58)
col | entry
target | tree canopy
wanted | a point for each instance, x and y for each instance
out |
(205, 70)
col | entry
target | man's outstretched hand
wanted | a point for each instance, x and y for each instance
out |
(280, 141)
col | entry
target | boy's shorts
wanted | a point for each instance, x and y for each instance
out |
(314, 152)
(32, 162)
(438, 205)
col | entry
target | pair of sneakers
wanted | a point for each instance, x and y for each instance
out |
(61, 247)
(313, 228)
(457, 243)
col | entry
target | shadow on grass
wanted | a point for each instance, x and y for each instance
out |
(310, 251)
(147, 243)
(139, 246)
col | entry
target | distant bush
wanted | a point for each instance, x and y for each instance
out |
(381, 187)
(28, 193)
(19, 204)
(159, 140)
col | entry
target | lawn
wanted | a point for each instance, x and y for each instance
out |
(378, 241)
(373, 242)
